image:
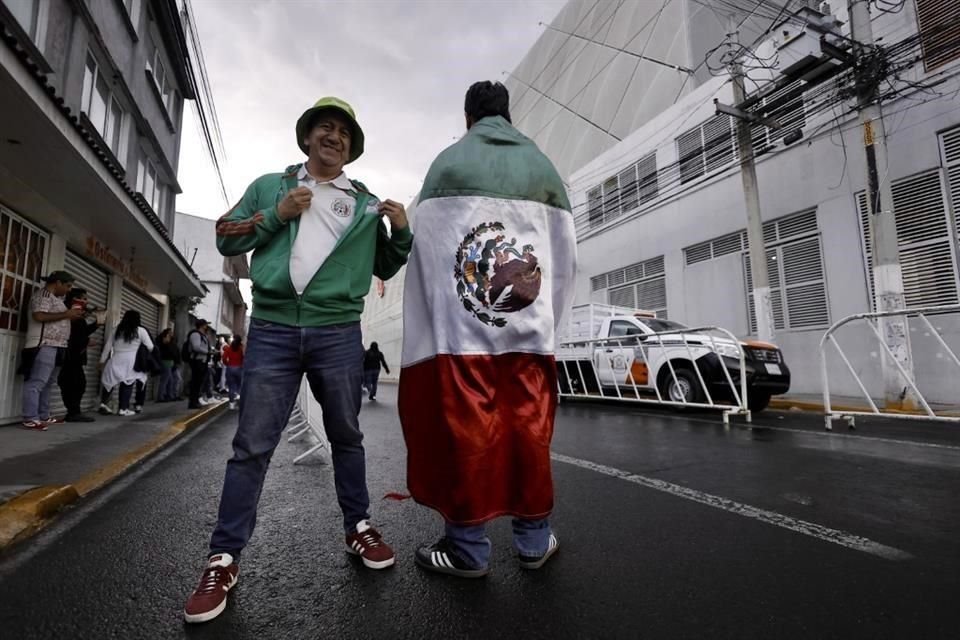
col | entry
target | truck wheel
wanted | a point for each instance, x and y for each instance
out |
(757, 400)
(686, 387)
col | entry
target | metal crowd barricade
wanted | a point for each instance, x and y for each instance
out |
(873, 321)
(572, 356)
(303, 423)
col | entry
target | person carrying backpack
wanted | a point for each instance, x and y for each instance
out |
(195, 351)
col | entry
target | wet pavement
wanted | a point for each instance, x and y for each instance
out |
(671, 526)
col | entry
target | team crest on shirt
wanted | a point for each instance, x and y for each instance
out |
(342, 207)
(495, 275)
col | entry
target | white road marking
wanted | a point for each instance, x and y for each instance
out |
(811, 529)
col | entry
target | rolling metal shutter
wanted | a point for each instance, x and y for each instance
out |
(149, 318)
(97, 283)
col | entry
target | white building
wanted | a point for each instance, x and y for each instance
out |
(223, 305)
(660, 212)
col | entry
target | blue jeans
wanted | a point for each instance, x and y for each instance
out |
(165, 383)
(37, 386)
(234, 380)
(277, 357)
(370, 379)
(530, 538)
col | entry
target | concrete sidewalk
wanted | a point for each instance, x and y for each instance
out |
(40, 472)
(814, 402)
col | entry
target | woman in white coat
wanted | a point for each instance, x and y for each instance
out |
(121, 350)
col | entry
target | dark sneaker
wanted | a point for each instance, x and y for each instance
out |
(369, 545)
(209, 599)
(441, 558)
(535, 562)
(33, 425)
(79, 417)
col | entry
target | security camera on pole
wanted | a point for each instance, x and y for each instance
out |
(887, 274)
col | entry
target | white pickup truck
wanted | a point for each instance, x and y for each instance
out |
(611, 351)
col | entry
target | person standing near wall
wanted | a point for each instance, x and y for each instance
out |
(196, 351)
(48, 332)
(168, 388)
(118, 361)
(72, 379)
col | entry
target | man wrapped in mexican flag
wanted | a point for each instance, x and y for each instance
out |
(491, 273)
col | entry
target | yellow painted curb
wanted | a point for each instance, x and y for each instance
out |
(784, 404)
(25, 514)
(104, 475)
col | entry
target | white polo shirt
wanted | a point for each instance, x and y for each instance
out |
(330, 213)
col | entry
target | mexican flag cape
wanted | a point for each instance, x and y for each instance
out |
(490, 274)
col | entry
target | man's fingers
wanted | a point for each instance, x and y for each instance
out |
(239, 227)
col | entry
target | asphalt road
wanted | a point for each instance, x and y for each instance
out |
(671, 526)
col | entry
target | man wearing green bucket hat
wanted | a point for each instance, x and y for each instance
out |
(317, 238)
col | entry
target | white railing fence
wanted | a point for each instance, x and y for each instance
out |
(305, 422)
(664, 368)
(872, 322)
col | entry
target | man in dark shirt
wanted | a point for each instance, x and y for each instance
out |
(72, 379)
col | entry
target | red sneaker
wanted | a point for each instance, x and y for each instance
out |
(369, 545)
(209, 599)
(33, 425)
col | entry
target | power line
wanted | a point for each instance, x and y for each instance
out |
(568, 64)
(669, 65)
(546, 66)
(584, 118)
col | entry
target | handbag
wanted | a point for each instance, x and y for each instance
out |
(147, 361)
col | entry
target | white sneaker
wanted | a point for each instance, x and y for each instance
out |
(125, 412)
(233, 406)
(203, 402)
(105, 409)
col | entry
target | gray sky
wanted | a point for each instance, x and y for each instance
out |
(403, 65)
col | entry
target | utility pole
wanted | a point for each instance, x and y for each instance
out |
(887, 274)
(751, 194)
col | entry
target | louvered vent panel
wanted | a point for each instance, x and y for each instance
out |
(611, 199)
(633, 272)
(807, 306)
(647, 174)
(697, 253)
(652, 294)
(939, 32)
(653, 266)
(718, 142)
(796, 225)
(690, 152)
(929, 275)
(727, 245)
(628, 188)
(801, 262)
(951, 146)
(615, 278)
(598, 282)
(919, 207)
(623, 297)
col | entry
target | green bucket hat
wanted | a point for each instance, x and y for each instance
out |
(336, 104)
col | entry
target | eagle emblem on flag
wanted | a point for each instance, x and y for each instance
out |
(494, 275)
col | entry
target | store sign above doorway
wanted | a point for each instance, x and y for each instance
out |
(102, 254)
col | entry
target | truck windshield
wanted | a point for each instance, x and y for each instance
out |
(658, 325)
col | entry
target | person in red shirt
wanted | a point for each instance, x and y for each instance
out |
(233, 361)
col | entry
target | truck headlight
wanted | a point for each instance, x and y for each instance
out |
(729, 350)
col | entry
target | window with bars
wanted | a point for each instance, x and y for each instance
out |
(706, 148)
(926, 239)
(22, 252)
(939, 32)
